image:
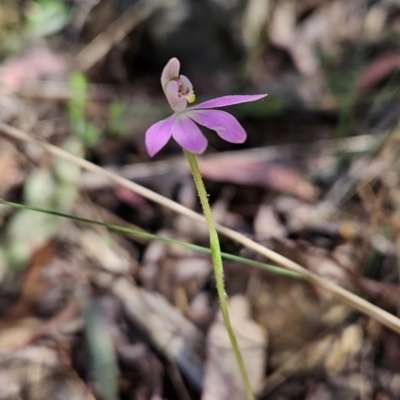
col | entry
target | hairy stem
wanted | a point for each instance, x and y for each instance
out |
(218, 269)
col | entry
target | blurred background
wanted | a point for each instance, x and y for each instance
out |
(90, 314)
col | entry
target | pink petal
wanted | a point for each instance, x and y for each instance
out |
(158, 135)
(188, 135)
(227, 126)
(170, 71)
(228, 101)
(171, 93)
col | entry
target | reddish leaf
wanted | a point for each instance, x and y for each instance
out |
(34, 65)
(270, 175)
(378, 70)
(389, 292)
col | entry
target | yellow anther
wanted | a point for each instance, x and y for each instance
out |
(191, 98)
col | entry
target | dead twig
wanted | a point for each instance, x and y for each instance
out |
(52, 327)
(114, 34)
(382, 316)
(178, 164)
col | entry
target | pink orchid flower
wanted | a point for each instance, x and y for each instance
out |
(181, 125)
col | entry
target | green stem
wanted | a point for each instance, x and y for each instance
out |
(218, 269)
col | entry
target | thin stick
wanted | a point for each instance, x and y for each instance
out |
(382, 316)
(114, 34)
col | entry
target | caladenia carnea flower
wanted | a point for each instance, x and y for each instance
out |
(182, 127)
(182, 124)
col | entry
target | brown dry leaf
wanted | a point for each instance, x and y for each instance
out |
(254, 20)
(222, 379)
(308, 357)
(390, 350)
(319, 29)
(48, 284)
(36, 373)
(320, 392)
(21, 333)
(176, 337)
(337, 353)
(297, 214)
(388, 292)
(270, 175)
(267, 224)
(345, 349)
(290, 311)
(319, 261)
(10, 106)
(18, 334)
(153, 255)
(283, 23)
(376, 21)
(10, 164)
(112, 258)
(176, 272)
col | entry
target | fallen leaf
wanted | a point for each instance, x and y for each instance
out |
(222, 379)
(34, 65)
(303, 37)
(10, 165)
(16, 335)
(273, 176)
(345, 349)
(389, 292)
(37, 372)
(267, 224)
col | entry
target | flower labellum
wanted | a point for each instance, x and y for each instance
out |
(182, 124)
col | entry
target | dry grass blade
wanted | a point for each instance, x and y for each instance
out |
(116, 32)
(345, 296)
(357, 144)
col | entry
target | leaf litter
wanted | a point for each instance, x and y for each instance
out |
(87, 314)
